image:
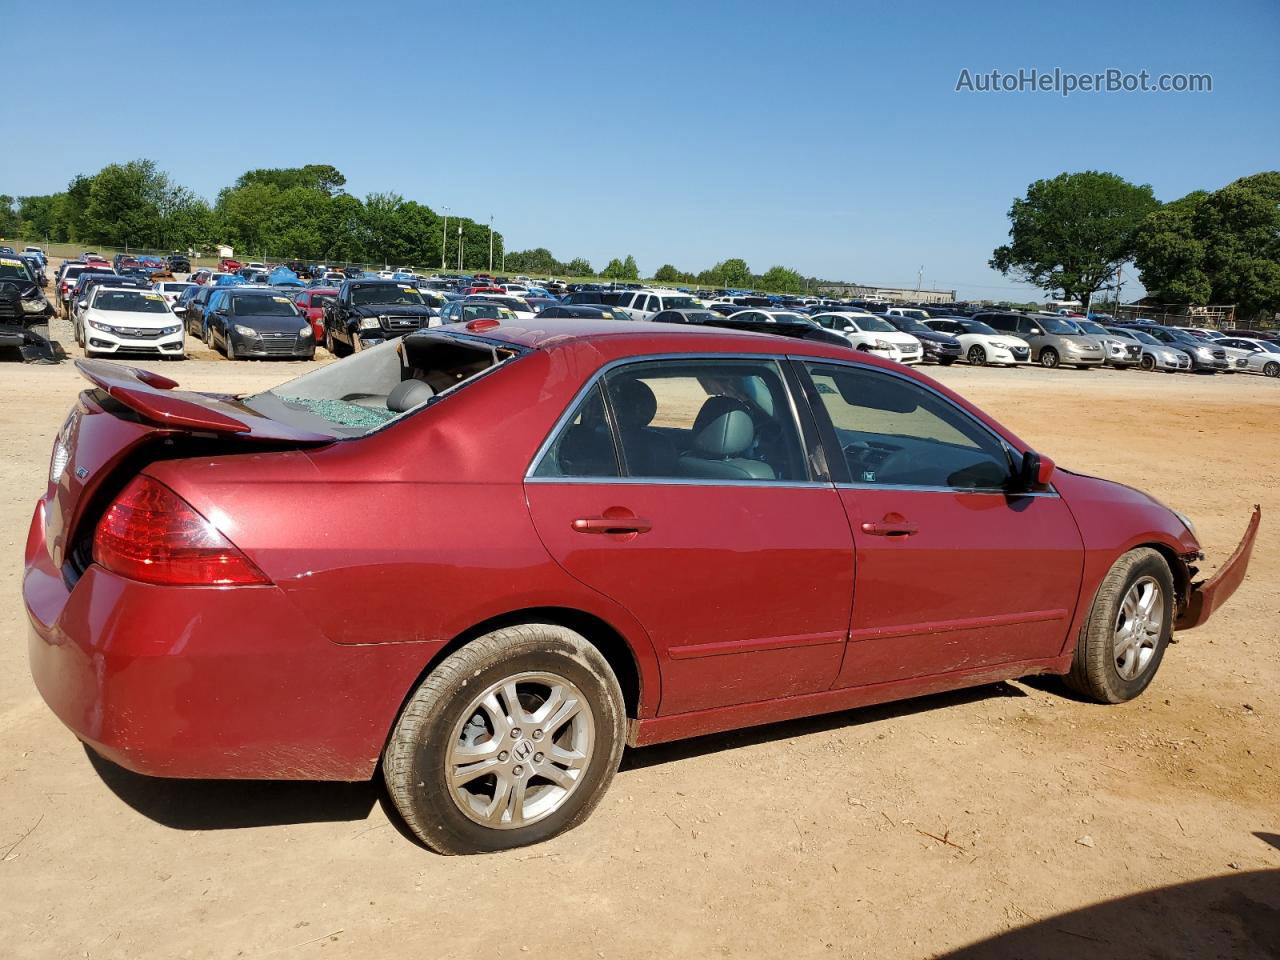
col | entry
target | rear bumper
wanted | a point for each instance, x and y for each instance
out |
(1206, 596)
(208, 682)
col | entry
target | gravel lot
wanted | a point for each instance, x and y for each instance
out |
(910, 830)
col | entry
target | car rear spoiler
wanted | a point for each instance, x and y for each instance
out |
(1206, 596)
(151, 396)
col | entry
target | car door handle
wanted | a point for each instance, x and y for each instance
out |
(891, 528)
(612, 525)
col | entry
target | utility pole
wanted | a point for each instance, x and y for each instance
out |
(459, 248)
(491, 243)
(919, 278)
(444, 236)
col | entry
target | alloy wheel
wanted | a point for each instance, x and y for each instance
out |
(1048, 358)
(1138, 628)
(977, 356)
(520, 750)
(1272, 369)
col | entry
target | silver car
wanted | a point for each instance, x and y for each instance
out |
(1154, 355)
(1261, 356)
(1118, 352)
(1054, 340)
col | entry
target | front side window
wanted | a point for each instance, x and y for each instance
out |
(896, 433)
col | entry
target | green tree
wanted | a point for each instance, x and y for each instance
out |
(126, 202)
(668, 274)
(314, 176)
(579, 267)
(8, 216)
(629, 269)
(782, 280)
(733, 273)
(1170, 253)
(614, 270)
(1073, 232)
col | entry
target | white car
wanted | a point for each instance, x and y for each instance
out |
(255, 265)
(912, 312)
(1261, 356)
(646, 304)
(515, 289)
(117, 320)
(983, 344)
(171, 290)
(516, 305)
(872, 334)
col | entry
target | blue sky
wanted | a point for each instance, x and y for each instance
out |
(824, 136)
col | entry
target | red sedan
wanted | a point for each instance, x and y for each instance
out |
(557, 539)
(311, 302)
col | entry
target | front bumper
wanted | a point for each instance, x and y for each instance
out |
(1206, 596)
(101, 342)
(208, 682)
(267, 345)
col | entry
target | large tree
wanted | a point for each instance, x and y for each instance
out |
(1221, 247)
(782, 280)
(1073, 232)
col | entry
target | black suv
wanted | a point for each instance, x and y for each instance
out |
(179, 263)
(366, 312)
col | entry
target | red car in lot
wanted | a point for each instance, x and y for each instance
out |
(557, 538)
(311, 302)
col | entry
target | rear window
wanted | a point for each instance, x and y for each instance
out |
(364, 392)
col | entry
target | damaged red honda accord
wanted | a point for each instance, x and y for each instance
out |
(547, 541)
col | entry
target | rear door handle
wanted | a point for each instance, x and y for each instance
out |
(886, 528)
(612, 525)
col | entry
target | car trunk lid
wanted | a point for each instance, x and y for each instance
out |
(135, 417)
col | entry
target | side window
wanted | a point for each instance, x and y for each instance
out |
(584, 447)
(895, 432)
(711, 420)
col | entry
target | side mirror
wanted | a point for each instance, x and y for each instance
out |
(1036, 472)
(82, 304)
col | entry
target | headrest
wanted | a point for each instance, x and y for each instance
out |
(633, 404)
(408, 394)
(723, 427)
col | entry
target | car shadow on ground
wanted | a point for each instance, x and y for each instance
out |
(803, 726)
(233, 804)
(1236, 916)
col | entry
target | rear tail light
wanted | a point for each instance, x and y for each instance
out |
(151, 534)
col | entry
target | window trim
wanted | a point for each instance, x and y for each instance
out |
(839, 467)
(807, 438)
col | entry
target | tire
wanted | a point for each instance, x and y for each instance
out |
(1148, 362)
(328, 341)
(1100, 670)
(977, 356)
(1271, 370)
(445, 711)
(229, 347)
(1049, 358)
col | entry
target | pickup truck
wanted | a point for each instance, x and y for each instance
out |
(369, 311)
(229, 265)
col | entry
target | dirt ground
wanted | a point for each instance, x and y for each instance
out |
(1008, 820)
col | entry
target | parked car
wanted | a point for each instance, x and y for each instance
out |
(179, 263)
(867, 332)
(1054, 340)
(116, 320)
(258, 324)
(1253, 334)
(171, 290)
(778, 324)
(1205, 357)
(1263, 356)
(67, 280)
(687, 315)
(311, 302)
(1117, 352)
(938, 347)
(983, 345)
(35, 267)
(645, 304)
(1154, 355)
(34, 307)
(548, 570)
(229, 265)
(467, 310)
(581, 311)
(518, 307)
(191, 307)
(366, 312)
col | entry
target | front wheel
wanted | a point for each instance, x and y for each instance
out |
(1271, 369)
(1049, 358)
(1148, 362)
(1129, 625)
(511, 740)
(229, 346)
(977, 356)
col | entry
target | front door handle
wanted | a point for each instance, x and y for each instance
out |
(891, 528)
(612, 525)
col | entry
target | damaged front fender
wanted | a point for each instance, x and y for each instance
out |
(1206, 596)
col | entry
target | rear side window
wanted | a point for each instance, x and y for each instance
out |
(584, 447)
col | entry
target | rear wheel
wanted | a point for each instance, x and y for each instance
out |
(1124, 639)
(1049, 357)
(511, 740)
(1272, 369)
(977, 356)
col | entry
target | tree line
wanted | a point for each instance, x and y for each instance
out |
(305, 212)
(297, 212)
(1074, 234)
